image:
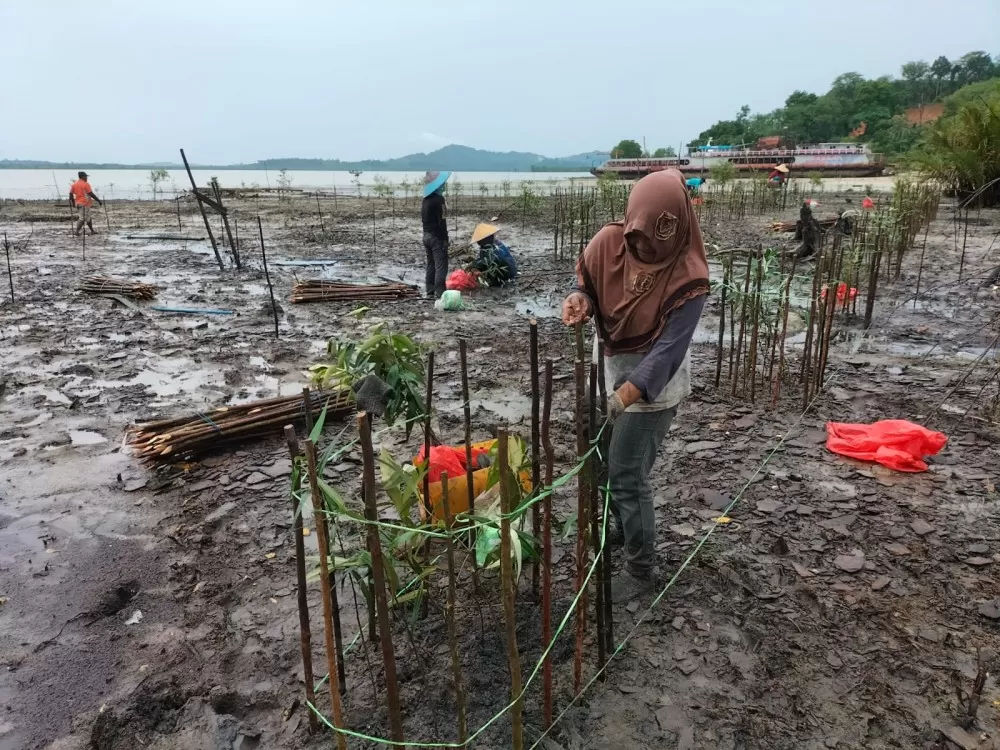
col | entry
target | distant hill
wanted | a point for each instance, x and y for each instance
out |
(454, 157)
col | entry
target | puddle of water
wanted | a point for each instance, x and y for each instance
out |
(86, 437)
(508, 405)
(173, 377)
(540, 307)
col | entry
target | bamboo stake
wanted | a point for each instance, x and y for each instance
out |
(776, 381)
(467, 419)
(267, 275)
(507, 586)
(582, 499)
(722, 323)
(305, 633)
(321, 543)
(743, 319)
(605, 583)
(456, 664)
(755, 335)
(427, 435)
(378, 574)
(547, 546)
(10, 274)
(595, 520)
(536, 470)
(204, 216)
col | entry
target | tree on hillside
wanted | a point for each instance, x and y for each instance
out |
(975, 66)
(962, 150)
(627, 149)
(663, 153)
(915, 74)
(940, 69)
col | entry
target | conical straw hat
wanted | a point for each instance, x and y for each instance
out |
(482, 231)
(782, 168)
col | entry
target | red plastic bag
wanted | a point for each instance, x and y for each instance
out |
(842, 292)
(462, 280)
(896, 443)
(443, 458)
(449, 458)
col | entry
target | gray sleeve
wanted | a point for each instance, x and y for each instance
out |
(656, 369)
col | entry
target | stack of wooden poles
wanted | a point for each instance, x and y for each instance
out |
(187, 436)
(318, 290)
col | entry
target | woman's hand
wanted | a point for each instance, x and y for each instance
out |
(575, 309)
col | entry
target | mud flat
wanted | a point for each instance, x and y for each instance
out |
(839, 608)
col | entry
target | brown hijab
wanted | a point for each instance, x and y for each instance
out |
(633, 297)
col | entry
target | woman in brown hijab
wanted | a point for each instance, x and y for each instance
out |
(644, 282)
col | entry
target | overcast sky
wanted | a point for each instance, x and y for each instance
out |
(240, 80)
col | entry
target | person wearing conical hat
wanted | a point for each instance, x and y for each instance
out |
(495, 262)
(778, 175)
(435, 233)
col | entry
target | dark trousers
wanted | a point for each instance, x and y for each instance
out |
(437, 265)
(635, 440)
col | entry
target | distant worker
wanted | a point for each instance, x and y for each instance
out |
(495, 262)
(694, 184)
(81, 197)
(778, 176)
(808, 230)
(435, 233)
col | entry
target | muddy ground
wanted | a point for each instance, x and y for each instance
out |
(765, 641)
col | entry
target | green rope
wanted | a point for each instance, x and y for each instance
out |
(527, 684)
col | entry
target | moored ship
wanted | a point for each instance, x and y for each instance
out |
(829, 159)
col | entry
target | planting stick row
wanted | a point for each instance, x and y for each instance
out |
(449, 532)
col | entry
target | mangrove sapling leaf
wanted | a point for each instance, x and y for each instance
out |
(568, 528)
(317, 429)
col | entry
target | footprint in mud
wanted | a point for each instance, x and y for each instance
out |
(110, 603)
(113, 601)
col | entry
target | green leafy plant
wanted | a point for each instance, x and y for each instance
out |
(382, 187)
(394, 357)
(722, 172)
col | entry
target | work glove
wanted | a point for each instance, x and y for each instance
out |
(616, 407)
(372, 394)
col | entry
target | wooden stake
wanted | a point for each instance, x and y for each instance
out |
(595, 519)
(378, 575)
(469, 482)
(507, 587)
(743, 319)
(536, 470)
(776, 381)
(722, 323)
(427, 436)
(305, 633)
(547, 547)
(204, 216)
(267, 275)
(323, 545)
(456, 663)
(582, 499)
(602, 479)
(10, 274)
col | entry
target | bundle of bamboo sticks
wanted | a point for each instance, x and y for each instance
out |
(184, 437)
(318, 290)
(123, 287)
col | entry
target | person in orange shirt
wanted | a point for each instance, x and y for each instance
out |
(81, 197)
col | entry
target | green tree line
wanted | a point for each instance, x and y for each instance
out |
(878, 103)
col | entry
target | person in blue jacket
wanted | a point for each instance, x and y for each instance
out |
(495, 262)
(694, 184)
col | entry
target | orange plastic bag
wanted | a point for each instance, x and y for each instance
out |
(896, 443)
